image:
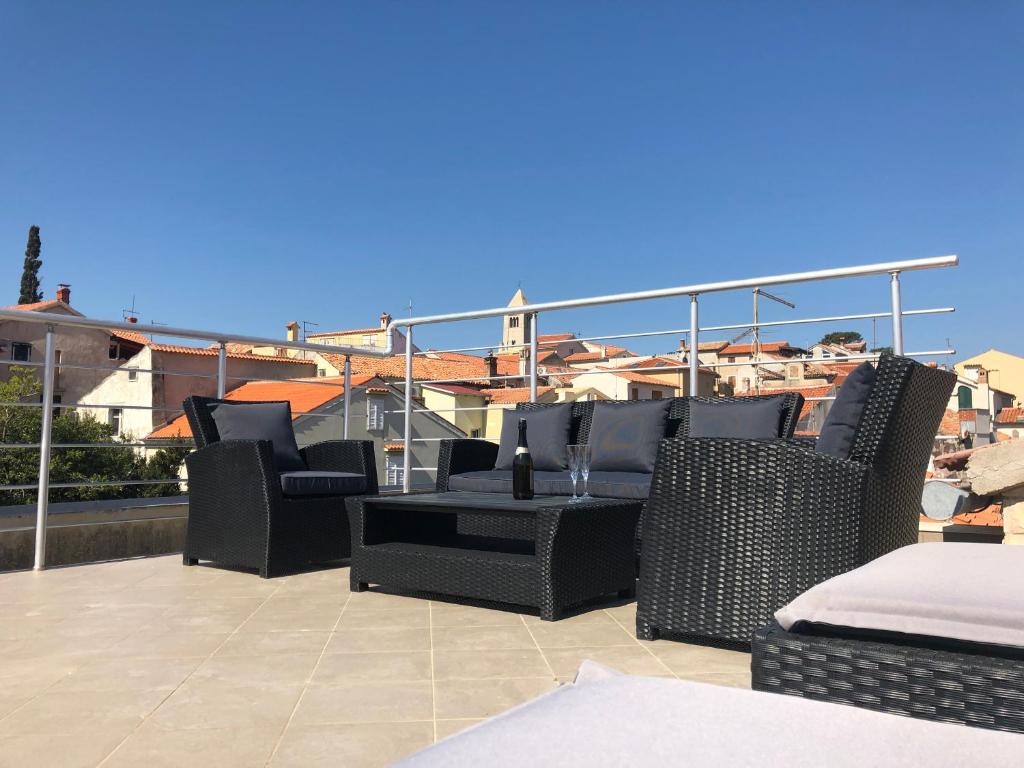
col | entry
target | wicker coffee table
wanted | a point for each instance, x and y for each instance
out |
(578, 552)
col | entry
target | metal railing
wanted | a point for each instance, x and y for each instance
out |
(893, 269)
(50, 365)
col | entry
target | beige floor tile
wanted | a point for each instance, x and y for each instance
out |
(273, 669)
(478, 664)
(212, 704)
(382, 601)
(63, 747)
(382, 639)
(731, 680)
(340, 668)
(628, 659)
(586, 617)
(321, 616)
(128, 674)
(80, 710)
(466, 616)
(365, 745)
(264, 643)
(158, 643)
(482, 638)
(556, 634)
(446, 728)
(358, 618)
(684, 659)
(362, 702)
(225, 748)
(463, 699)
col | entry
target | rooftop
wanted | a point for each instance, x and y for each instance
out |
(144, 662)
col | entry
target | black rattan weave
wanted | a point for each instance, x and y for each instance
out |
(734, 529)
(576, 552)
(967, 688)
(237, 513)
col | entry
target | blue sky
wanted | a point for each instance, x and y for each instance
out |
(238, 165)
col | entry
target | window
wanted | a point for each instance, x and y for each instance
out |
(656, 394)
(133, 374)
(114, 419)
(964, 398)
(826, 354)
(732, 381)
(730, 359)
(370, 340)
(474, 433)
(394, 468)
(321, 371)
(634, 393)
(513, 322)
(374, 415)
(746, 383)
(21, 351)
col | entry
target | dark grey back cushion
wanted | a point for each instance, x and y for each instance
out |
(840, 425)
(753, 420)
(547, 433)
(261, 421)
(624, 437)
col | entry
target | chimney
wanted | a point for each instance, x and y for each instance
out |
(292, 331)
(385, 320)
(132, 319)
(492, 364)
(64, 293)
(982, 376)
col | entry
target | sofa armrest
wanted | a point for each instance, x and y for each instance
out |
(355, 456)
(463, 455)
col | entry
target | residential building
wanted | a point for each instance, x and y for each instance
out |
(318, 414)
(977, 402)
(375, 337)
(610, 384)
(1004, 371)
(1009, 424)
(161, 376)
(95, 348)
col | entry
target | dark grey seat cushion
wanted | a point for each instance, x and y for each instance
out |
(837, 433)
(261, 421)
(613, 485)
(306, 483)
(624, 437)
(547, 433)
(754, 419)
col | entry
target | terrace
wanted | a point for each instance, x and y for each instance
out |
(140, 660)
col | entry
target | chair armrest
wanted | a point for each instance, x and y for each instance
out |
(463, 455)
(233, 485)
(343, 456)
(768, 518)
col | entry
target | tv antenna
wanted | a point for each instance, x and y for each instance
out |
(305, 325)
(758, 292)
(130, 312)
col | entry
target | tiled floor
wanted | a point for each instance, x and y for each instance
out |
(147, 663)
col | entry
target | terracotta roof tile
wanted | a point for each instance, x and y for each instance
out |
(507, 395)
(950, 424)
(768, 346)
(1010, 416)
(133, 336)
(180, 349)
(391, 447)
(639, 378)
(304, 396)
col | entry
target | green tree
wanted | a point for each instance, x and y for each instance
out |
(20, 466)
(882, 350)
(30, 292)
(841, 337)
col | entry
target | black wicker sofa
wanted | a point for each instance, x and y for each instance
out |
(468, 464)
(251, 508)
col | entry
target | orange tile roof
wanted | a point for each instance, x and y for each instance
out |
(639, 378)
(506, 395)
(1010, 416)
(807, 392)
(394, 447)
(39, 306)
(584, 357)
(543, 338)
(990, 515)
(424, 368)
(132, 336)
(378, 329)
(180, 349)
(748, 349)
(950, 424)
(304, 396)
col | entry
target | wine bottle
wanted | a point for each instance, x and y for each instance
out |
(522, 467)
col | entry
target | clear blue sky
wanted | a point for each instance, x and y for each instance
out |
(238, 165)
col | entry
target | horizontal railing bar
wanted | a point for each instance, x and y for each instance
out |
(423, 469)
(46, 318)
(94, 483)
(448, 410)
(685, 331)
(687, 290)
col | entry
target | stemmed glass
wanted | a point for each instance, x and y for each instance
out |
(585, 470)
(574, 468)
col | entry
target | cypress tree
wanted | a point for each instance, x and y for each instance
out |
(30, 292)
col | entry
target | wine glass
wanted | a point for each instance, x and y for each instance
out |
(585, 470)
(574, 468)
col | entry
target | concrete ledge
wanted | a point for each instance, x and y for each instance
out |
(94, 531)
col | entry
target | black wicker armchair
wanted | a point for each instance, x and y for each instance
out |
(460, 456)
(734, 529)
(243, 512)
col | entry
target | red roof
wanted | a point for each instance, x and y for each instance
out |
(42, 306)
(180, 349)
(767, 346)
(807, 392)
(304, 397)
(950, 424)
(455, 389)
(507, 395)
(639, 378)
(584, 357)
(1010, 416)
(390, 447)
(543, 338)
(133, 336)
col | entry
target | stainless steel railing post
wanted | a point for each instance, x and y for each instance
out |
(407, 449)
(348, 395)
(694, 346)
(533, 357)
(43, 499)
(897, 313)
(222, 369)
